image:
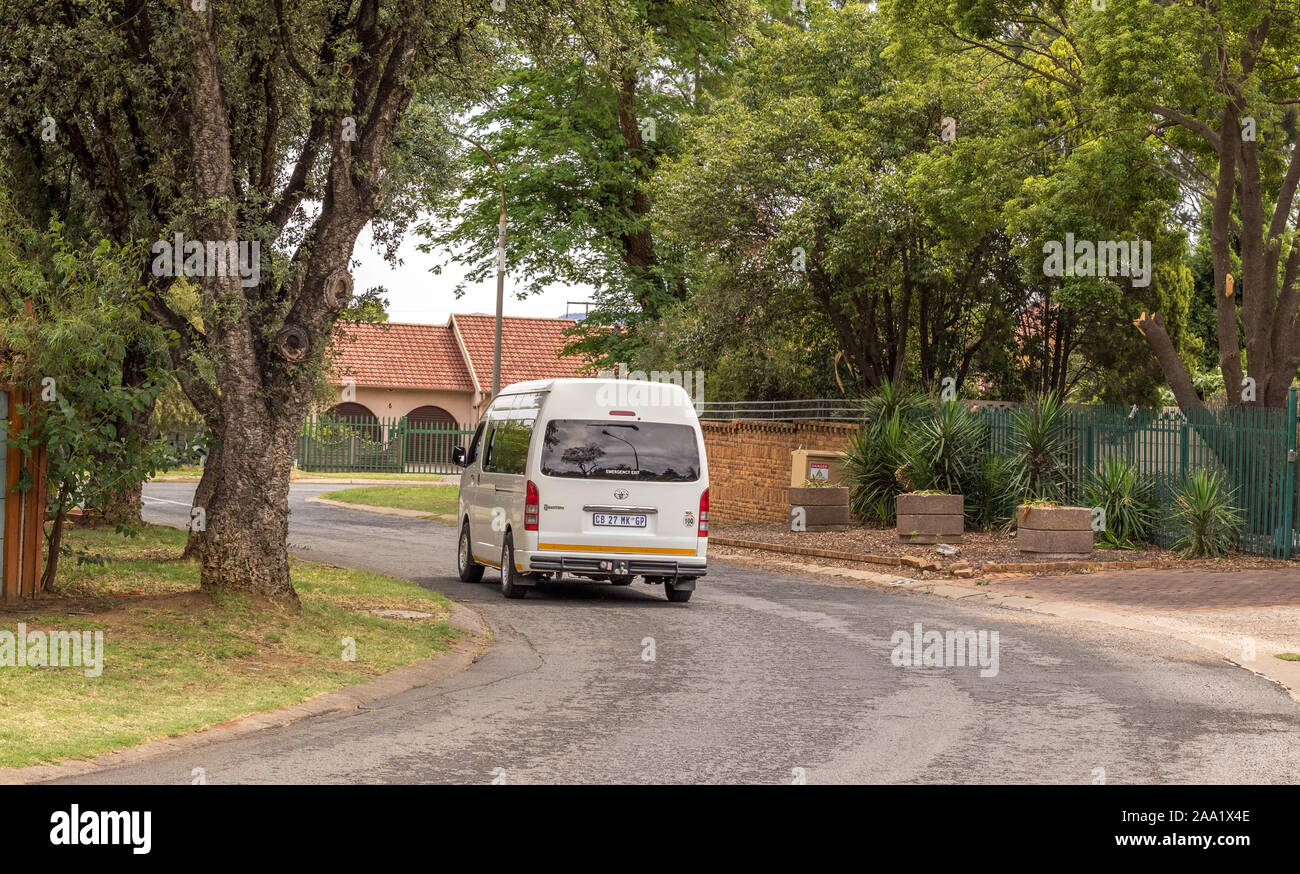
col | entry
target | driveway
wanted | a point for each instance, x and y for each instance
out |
(762, 678)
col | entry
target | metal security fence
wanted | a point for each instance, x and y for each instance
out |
(428, 445)
(814, 409)
(1254, 448)
(363, 444)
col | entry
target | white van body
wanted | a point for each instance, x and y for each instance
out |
(619, 475)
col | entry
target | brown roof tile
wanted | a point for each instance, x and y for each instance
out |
(400, 355)
(530, 348)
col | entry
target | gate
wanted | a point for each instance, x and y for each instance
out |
(364, 444)
(429, 444)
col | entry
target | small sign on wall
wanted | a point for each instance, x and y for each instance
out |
(820, 466)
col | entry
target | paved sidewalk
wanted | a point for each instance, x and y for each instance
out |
(1151, 591)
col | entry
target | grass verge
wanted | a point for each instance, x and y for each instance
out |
(176, 660)
(195, 471)
(434, 500)
(397, 477)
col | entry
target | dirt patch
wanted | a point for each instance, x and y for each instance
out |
(104, 606)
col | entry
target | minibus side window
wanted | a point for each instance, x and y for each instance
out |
(487, 445)
(510, 438)
(475, 443)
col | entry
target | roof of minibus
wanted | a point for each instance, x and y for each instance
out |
(665, 401)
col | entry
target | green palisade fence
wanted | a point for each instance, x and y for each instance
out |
(1254, 447)
(368, 445)
(428, 445)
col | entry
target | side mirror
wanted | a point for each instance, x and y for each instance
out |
(458, 456)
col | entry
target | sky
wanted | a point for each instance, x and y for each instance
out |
(416, 295)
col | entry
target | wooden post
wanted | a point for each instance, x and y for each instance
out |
(33, 529)
(24, 512)
(13, 531)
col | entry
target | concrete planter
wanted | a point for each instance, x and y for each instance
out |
(1054, 530)
(824, 509)
(930, 518)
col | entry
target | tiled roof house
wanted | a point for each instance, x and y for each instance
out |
(443, 373)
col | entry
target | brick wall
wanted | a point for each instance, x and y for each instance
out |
(749, 464)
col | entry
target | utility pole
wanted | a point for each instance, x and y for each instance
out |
(501, 265)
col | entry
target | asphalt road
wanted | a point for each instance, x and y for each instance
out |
(759, 675)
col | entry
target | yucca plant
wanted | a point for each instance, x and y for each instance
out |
(889, 401)
(871, 463)
(1128, 499)
(944, 448)
(1040, 449)
(1207, 515)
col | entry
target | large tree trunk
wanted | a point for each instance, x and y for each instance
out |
(1269, 290)
(637, 243)
(203, 497)
(245, 544)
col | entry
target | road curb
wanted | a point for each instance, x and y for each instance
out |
(1226, 646)
(359, 696)
(1034, 567)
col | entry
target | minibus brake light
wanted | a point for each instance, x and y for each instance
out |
(531, 504)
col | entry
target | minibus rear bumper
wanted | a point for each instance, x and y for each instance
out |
(620, 565)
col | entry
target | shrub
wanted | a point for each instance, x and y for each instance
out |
(891, 401)
(1040, 449)
(1128, 499)
(871, 464)
(1206, 513)
(989, 494)
(944, 449)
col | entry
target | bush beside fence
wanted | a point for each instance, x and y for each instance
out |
(1254, 448)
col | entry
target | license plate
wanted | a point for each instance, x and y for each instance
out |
(616, 521)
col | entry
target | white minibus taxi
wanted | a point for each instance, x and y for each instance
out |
(602, 479)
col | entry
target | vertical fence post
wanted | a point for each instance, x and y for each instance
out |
(1184, 449)
(1290, 498)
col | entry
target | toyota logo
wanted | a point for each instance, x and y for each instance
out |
(620, 494)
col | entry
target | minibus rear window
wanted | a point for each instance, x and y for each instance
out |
(646, 451)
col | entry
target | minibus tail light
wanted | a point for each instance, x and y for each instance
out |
(704, 514)
(532, 504)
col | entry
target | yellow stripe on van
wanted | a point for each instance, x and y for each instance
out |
(657, 550)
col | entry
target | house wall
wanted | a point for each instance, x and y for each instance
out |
(749, 464)
(397, 402)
